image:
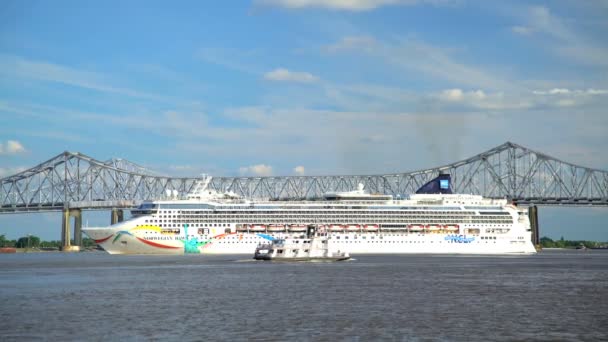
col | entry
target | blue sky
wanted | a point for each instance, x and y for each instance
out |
(287, 87)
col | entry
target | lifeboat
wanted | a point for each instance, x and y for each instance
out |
(371, 227)
(451, 227)
(336, 228)
(433, 228)
(353, 227)
(258, 228)
(297, 228)
(276, 228)
(415, 227)
(241, 227)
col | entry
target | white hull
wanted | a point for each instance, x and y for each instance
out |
(354, 243)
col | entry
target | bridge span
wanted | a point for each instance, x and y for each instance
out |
(72, 182)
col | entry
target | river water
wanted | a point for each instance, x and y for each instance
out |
(555, 295)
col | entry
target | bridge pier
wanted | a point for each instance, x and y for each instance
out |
(116, 216)
(533, 216)
(66, 243)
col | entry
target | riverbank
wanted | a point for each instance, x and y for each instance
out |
(13, 250)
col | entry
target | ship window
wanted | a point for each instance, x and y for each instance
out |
(306, 251)
(280, 251)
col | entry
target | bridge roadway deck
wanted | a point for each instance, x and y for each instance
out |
(84, 205)
(131, 204)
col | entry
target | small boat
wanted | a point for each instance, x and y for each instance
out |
(433, 228)
(415, 228)
(258, 228)
(297, 228)
(241, 228)
(353, 227)
(276, 228)
(371, 227)
(309, 248)
(336, 228)
(451, 227)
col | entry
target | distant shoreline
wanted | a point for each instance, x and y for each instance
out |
(13, 250)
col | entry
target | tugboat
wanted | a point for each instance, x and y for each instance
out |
(309, 247)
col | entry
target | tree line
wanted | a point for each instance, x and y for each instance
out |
(561, 243)
(33, 241)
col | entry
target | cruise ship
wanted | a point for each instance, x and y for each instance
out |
(433, 220)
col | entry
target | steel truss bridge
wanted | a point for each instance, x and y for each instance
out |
(74, 180)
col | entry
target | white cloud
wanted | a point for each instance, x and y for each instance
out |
(564, 97)
(413, 55)
(352, 43)
(597, 91)
(14, 66)
(573, 92)
(523, 30)
(284, 75)
(458, 99)
(459, 95)
(299, 170)
(559, 91)
(235, 59)
(563, 40)
(12, 147)
(479, 99)
(261, 170)
(348, 5)
(565, 103)
(452, 95)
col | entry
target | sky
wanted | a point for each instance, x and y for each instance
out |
(303, 87)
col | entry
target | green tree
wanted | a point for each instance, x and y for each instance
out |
(28, 241)
(4, 242)
(547, 242)
(88, 242)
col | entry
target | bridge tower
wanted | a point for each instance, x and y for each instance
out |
(66, 243)
(116, 216)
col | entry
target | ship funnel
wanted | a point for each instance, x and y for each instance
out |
(441, 184)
